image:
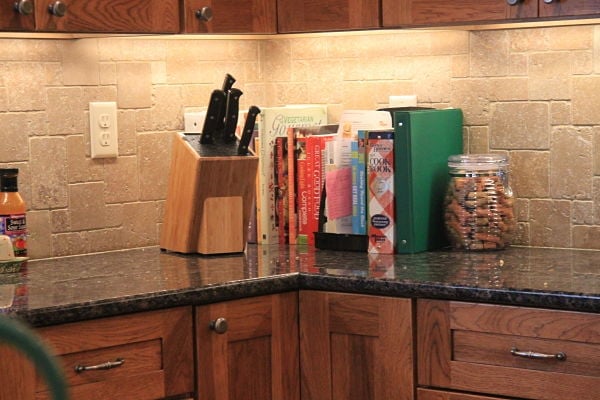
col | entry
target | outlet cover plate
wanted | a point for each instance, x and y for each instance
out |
(104, 138)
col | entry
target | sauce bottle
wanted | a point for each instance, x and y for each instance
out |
(13, 221)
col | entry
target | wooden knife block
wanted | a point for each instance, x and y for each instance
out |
(209, 201)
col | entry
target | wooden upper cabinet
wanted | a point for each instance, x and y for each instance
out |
(398, 13)
(355, 347)
(566, 8)
(17, 15)
(327, 15)
(248, 349)
(107, 16)
(229, 16)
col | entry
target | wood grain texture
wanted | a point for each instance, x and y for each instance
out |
(11, 20)
(353, 346)
(191, 225)
(156, 346)
(18, 375)
(231, 16)
(429, 394)
(466, 346)
(565, 8)
(437, 12)
(116, 16)
(328, 15)
(257, 358)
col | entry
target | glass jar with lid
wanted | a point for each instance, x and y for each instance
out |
(479, 203)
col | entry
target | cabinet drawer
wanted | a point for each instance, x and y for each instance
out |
(509, 351)
(150, 355)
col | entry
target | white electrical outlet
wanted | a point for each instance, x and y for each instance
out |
(104, 137)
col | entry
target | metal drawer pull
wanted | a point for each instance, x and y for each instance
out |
(107, 365)
(560, 356)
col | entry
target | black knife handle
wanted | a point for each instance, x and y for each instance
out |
(231, 115)
(214, 114)
(228, 83)
(246, 136)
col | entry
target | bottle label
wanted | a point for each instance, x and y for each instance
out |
(15, 227)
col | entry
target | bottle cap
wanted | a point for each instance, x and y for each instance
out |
(8, 179)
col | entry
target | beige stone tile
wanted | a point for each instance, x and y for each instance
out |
(134, 85)
(586, 100)
(529, 173)
(127, 132)
(80, 62)
(198, 96)
(522, 40)
(14, 138)
(570, 37)
(30, 50)
(582, 62)
(522, 236)
(596, 199)
(54, 73)
(114, 215)
(549, 76)
(140, 226)
(275, 60)
(550, 223)
(129, 49)
(159, 72)
(166, 111)
(366, 69)
(518, 64)
(508, 89)
(471, 95)
(596, 49)
(98, 93)
(105, 240)
(3, 99)
(291, 93)
(401, 43)
(66, 111)
(583, 212)
(108, 73)
(586, 237)
(560, 113)
(39, 239)
(521, 209)
(309, 48)
(243, 50)
(519, 126)
(571, 163)
(460, 66)
(596, 151)
(449, 42)
(478, 139)
(25, 86)
(48, 172)
(87, 206)
(489, 53)
(154, 158)
(65, 244)
(80, 168)
(60, 221)
(432, 83)
(121, 179)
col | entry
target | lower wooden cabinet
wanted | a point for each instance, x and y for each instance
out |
(429, 394)
(507, 351)
(355, 347)
(142, 356)
(248, 349)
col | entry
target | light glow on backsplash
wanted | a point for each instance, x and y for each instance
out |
(532, 93)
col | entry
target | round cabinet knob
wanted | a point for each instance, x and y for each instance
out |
(204, 14)
(549, 1)
(24, 7)
(219, 325)
(58, 8)
(513, 2)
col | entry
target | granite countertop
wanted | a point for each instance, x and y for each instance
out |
(61, 290)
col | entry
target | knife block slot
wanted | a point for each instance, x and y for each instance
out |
(209, 200)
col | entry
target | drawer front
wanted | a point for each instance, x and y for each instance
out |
(142, 356)
(509, 351)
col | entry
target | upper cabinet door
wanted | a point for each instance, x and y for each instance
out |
(17, 15)
(107, 16)
(565, 8)
(327, 15)
(436, 12)
(229, 16)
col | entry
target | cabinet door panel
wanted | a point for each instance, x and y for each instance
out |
(257, 357)
(11, 20)
(428, 394)
(435, 12)
(353, 346)
(115, 16)
(327, 15)
(564, 8)
(231, 16)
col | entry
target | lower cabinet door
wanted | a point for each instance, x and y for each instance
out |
(355, 347)
(248, 349)
(428, 394)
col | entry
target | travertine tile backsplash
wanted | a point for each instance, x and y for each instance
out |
(531, 93)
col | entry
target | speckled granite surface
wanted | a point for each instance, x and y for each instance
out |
(84, 287)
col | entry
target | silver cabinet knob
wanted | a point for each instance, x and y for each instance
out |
(219, 325)
(549, 1)
(513, 2)
(204, 14)
(58, 9)
(24, 7)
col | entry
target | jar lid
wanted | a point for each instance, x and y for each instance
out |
(477, 161)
